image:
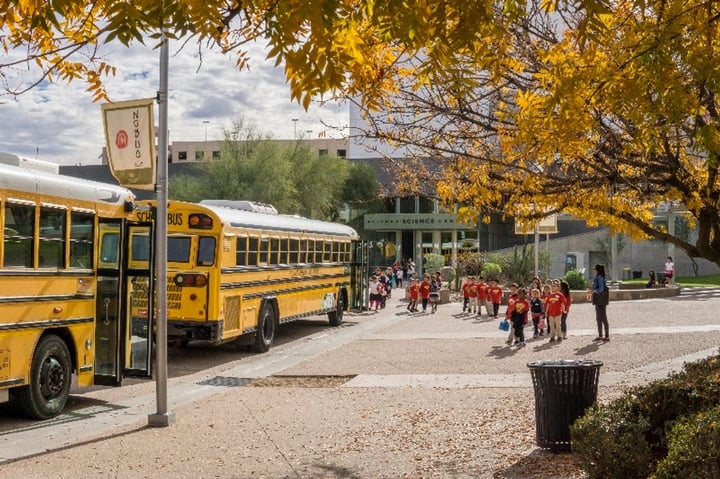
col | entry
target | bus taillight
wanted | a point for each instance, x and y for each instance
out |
(189, 279)
(200, 221)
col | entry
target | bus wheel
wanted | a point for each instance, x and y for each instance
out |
(336, 317)
(265, 333)
(50, 377)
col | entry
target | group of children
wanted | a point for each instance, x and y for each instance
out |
(548, 306)
(380, 286)
(427, 292)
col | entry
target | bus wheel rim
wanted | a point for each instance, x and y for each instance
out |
(52, 378)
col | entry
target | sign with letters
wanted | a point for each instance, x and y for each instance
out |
(130, 140)
(410, 221)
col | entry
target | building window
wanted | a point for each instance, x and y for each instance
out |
(342, 153)
(199, 155)
(322, 152)
(215, 155)
(426, 205)
(182, 155)
(407, 204)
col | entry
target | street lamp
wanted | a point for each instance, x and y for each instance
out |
(295, 120)
(206, 122)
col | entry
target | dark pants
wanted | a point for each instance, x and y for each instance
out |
(424, 303)
(519, 328)
(563, 324)
(496, 308)
(601, 318)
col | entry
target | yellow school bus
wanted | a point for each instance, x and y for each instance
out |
(64, 288)
(238, 269)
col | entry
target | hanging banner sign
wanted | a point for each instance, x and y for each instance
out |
(130, 140)
(546, 225)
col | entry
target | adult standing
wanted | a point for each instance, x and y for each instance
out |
(410, 268)
(565, 290)
(601, 298)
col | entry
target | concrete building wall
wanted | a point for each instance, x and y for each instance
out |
(635, 256)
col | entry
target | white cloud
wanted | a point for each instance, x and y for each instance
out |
(58, 122)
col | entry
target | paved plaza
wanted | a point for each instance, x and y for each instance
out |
(387, 394)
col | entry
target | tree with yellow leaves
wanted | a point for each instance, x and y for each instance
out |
(611, 117)
(606, 110)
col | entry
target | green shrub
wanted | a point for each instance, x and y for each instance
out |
(611, 441)
(433, 262)
(692, 390)
(470, 264)
(639, 425)
(694, 448)
(491, 271)
(519, 266)
(575, 279)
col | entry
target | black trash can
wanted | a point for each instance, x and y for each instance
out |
(563, 390)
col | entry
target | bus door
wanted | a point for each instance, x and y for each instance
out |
(139, 300)
(118, 353)
(360, 264)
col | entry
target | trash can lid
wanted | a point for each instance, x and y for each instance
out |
(565, 363)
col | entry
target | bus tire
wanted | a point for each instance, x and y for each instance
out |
(50, 377)
(265, 332)
(336, 317)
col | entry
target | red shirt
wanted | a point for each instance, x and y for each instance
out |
(414, 290)
(495, 293)
(466, 289)
(555, 304)
(520, 310)
(512, 299)
(425, 290)
(482, 290)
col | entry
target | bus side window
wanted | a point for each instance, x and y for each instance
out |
(337, 253)
(275, 254)
(319, 251)
(264, 250)
(327, 252)
(252, 252)
(81, 240)
(303, 251)
(18, 238)
(206, 251)
(294, 247)
(241, 251)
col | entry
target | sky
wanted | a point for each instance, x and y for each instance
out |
(59, 123)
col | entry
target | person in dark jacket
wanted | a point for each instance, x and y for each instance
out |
(601, 298)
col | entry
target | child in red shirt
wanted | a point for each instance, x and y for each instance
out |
(512, 298)
(519, 316)
(469, 281)
(425, 292)
(414, 293)
(482, 287)
(473, 298)
(555, 306)
(495, 295)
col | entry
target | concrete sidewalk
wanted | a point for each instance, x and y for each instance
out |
(422, 370)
